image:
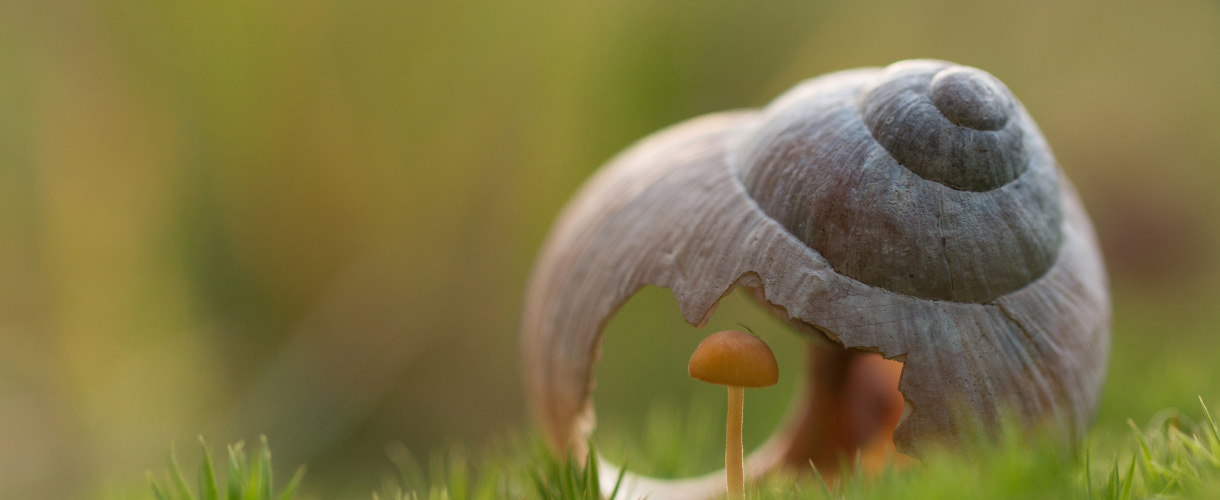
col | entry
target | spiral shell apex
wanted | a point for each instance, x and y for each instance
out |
(914, 211)
(895, 193)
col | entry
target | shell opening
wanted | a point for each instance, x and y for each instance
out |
(843, 403)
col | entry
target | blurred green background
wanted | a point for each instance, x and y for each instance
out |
(314, 219)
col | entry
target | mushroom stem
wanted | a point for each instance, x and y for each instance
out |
(732, 447)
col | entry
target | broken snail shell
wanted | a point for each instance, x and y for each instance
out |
(914, 211)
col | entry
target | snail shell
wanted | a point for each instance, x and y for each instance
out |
(914, 210)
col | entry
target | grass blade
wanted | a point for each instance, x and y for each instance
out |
(207, 475)
(1139, 438)
(817, 474)
(593, 487)
(1128, 481)
(264, 457)
(157, 491)
(1211, 425)
(235, 472)
(254, 476)
(291, 488)
(179, 481)
(618, 482)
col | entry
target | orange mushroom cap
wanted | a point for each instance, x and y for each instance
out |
(735, 359)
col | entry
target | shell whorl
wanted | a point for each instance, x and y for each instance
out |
(926, 179)
(952, 125)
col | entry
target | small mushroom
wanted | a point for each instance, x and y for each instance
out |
(738, 360)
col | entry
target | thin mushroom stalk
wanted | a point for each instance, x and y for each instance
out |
(913, 211)
(734, 475)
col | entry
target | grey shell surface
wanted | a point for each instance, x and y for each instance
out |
(914, 210)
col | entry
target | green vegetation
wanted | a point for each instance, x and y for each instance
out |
(1174, 456)
(249, 477)
(567, 480)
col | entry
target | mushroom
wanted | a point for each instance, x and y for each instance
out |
(738, 360)
(914, 211)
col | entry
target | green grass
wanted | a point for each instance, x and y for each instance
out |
(1173, 456)
(249, 477)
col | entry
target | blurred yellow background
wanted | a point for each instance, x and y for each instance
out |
(314, 219)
